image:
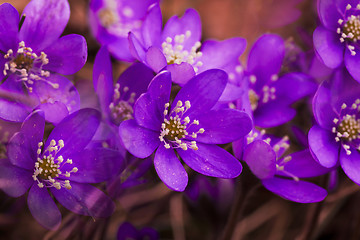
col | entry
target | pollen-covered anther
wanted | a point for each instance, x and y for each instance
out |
(254, 99)
(175, 126)
(27, 65)
(173, 49)
(48, 166)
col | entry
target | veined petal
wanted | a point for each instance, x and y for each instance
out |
(149, 108)
(329, 13)
(273, 113)
(43, 207)
(303, 165)
(103, 79)
(351, 164)
(151, 28)
(322, 144)
(297, 191)
(67, 55)
(94, 165)
(190, 21)
(203, 91)
(211, 160)
(219, 54)
(155, 59)
(76, 130)
(261, 159)
(139, 141)
(352, 64)
(84, 199)
(284, 86)
(170, 169)
(265, 58)
(45, 21)
(137, 50)
(323, 111)
(223, 126)
(23, 145)
(14, 181)
(136, 79)
(13, 111)
(181, 73)
(328, 47)
(54, 112)
(9, 25)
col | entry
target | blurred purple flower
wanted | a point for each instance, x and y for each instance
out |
(127, 231)
(336, 39)
(112, 20)
(34, 56)
(188, 127)
(61, 165)
(117, 102)
(177, 48)
(335, 139)
(269, 96)
(281, 174)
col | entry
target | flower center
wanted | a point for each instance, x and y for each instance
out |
(174, 128)
(347, 127)
(27, 65)
(349, 29)
(121, 109)
(48, 167)
(174, 52)
(118, 23)
(352, 28)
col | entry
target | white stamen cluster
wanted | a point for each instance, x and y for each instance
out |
(347, 128)
(282, 146)
(114, 22)
(28, 65)
(350, 29)
(47, 166)
(253, 135)
(120, 109)
(174, 128)
(268, 93)
(174, 52)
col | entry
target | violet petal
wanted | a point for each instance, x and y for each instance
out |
(139, 141)
(211, 160)
(170, 169)
(301, 191)
(322, 144)
(45, 21)
(43, 207)
(261, 159)
(84, 199)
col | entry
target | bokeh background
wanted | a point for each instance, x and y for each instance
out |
(264, 215)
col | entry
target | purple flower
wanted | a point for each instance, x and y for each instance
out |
(269, 95)
(117, 102)
(112, 20)
(336, 39)
(128, 231)
(61, 165)
(177, 48)
(36, 55)
(281, 174)
(335, 139)
(188, 127)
